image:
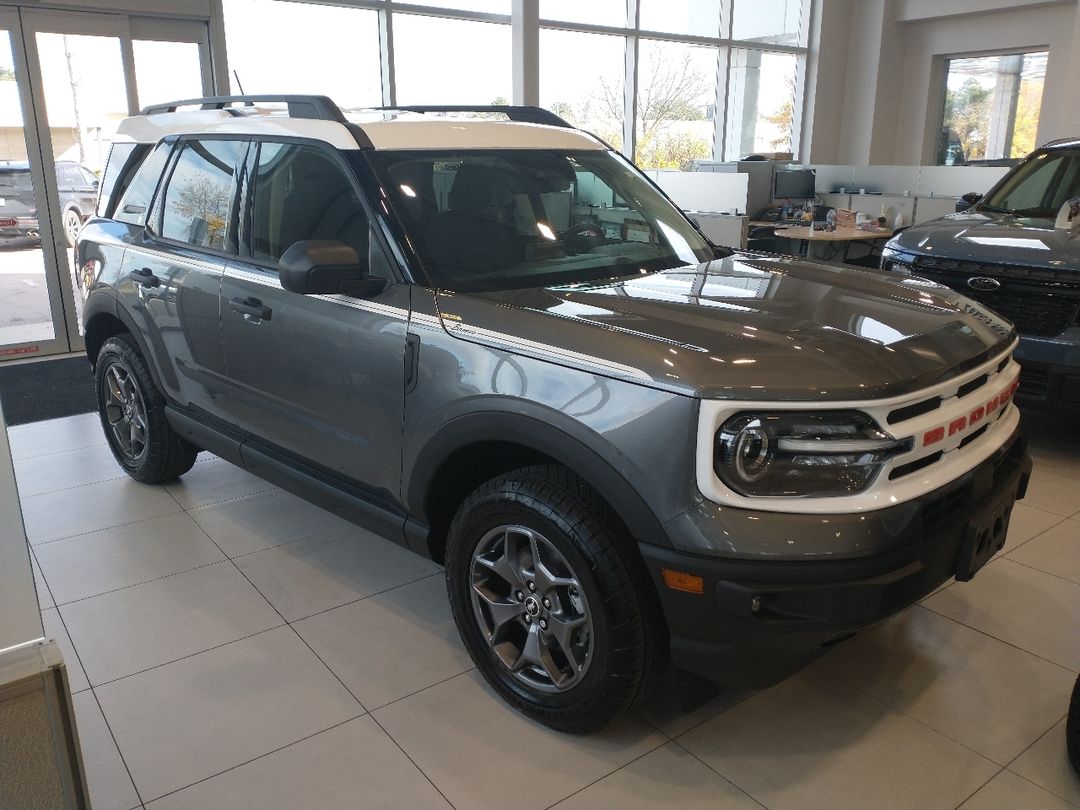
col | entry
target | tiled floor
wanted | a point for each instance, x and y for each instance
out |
(231, 646)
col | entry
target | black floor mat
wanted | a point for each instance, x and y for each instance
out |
(47, 389)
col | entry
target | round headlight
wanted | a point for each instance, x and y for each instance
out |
(808, 454)
(752, 452)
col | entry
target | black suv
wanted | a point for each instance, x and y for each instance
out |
(78, 187)
(1003, 251)
(496, 343)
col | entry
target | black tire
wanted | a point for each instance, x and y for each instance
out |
(1072, 728)
(622, 643)
(125, 392)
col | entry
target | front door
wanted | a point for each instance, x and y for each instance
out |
(319, 377)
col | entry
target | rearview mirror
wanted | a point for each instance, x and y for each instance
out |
(325, 267)
(968, 200)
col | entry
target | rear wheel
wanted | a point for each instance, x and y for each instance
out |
(132, 412)
(552, 600)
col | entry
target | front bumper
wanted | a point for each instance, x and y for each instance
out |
(1050, 372)
(758, 621)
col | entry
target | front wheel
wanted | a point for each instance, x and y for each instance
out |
(72, 222)
(552, 599)
(132, 412)
(1072, 729)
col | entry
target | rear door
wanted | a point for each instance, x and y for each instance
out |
(171, 275)
(319, 377)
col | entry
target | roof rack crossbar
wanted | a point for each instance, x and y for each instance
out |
(527, 115)
(299, 106)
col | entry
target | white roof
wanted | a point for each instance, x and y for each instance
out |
(385, 132)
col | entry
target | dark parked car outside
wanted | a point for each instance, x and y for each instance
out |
(78, 187)
(1003, 250)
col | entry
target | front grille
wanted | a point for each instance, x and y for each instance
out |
(1033, 383)
(1037, 301)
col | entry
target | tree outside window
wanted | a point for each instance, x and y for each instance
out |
(992, 106)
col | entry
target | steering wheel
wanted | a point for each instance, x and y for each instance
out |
(583, 237)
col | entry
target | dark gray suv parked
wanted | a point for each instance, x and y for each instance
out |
(1003, 251)
(496, 343)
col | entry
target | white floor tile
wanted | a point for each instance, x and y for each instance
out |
(147, 625)
(1007, 791)
(482, 754)
(45, 600)
(95, 506)
(91, 564)
(198, 717)
(261, 521)
(667, 777)
(390, 645)
(1055, 551)
(107, 779)
(979, 691)
(55, 436)
(349, 766)
(72, 468)
(309, 576)
(214, 481)
(54, 630)
(811, 742)
(1054, 489)
(1027, 522)
(1029, 609)
(1046, 764)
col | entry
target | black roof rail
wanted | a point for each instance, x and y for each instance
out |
(318, 107)
(526, 115)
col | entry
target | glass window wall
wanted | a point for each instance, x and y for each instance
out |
(761, 114)
(992, 106)
(581, 79)
(676, 104)
(285, 47)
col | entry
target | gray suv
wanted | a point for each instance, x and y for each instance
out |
(487, 336)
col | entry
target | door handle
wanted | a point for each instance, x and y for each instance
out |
(145, 276)
(251, 308)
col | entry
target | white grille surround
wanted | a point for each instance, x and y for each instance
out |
(996, 426)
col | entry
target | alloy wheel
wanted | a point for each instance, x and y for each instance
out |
(125, 411)
(531, 608)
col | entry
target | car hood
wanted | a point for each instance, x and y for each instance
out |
(983, 236)
(744, 327)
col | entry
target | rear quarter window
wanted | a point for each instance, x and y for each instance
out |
(134, 201)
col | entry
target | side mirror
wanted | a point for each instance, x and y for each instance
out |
(325, 267)
(96, 183)
(968, 200)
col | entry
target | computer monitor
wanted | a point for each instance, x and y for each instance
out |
(794, 184)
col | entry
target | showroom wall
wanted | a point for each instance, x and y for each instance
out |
(880, 71)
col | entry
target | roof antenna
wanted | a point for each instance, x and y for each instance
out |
(237, 77)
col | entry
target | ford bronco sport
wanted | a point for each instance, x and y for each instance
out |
(496, 343)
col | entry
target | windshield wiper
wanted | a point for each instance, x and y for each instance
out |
(994, 209)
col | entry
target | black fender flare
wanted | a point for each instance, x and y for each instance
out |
(105, 302)
(540, 435)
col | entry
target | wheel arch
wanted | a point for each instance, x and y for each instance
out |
(474, 448)
(104, 318)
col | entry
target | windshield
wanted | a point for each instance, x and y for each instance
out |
(1039, 186)
(512, 218)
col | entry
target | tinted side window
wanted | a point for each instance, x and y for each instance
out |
(301, 192)
(135, 202)
(201, 193)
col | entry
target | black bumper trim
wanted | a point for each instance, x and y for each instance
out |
(759, 622)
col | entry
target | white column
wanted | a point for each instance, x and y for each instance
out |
(525, 36)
